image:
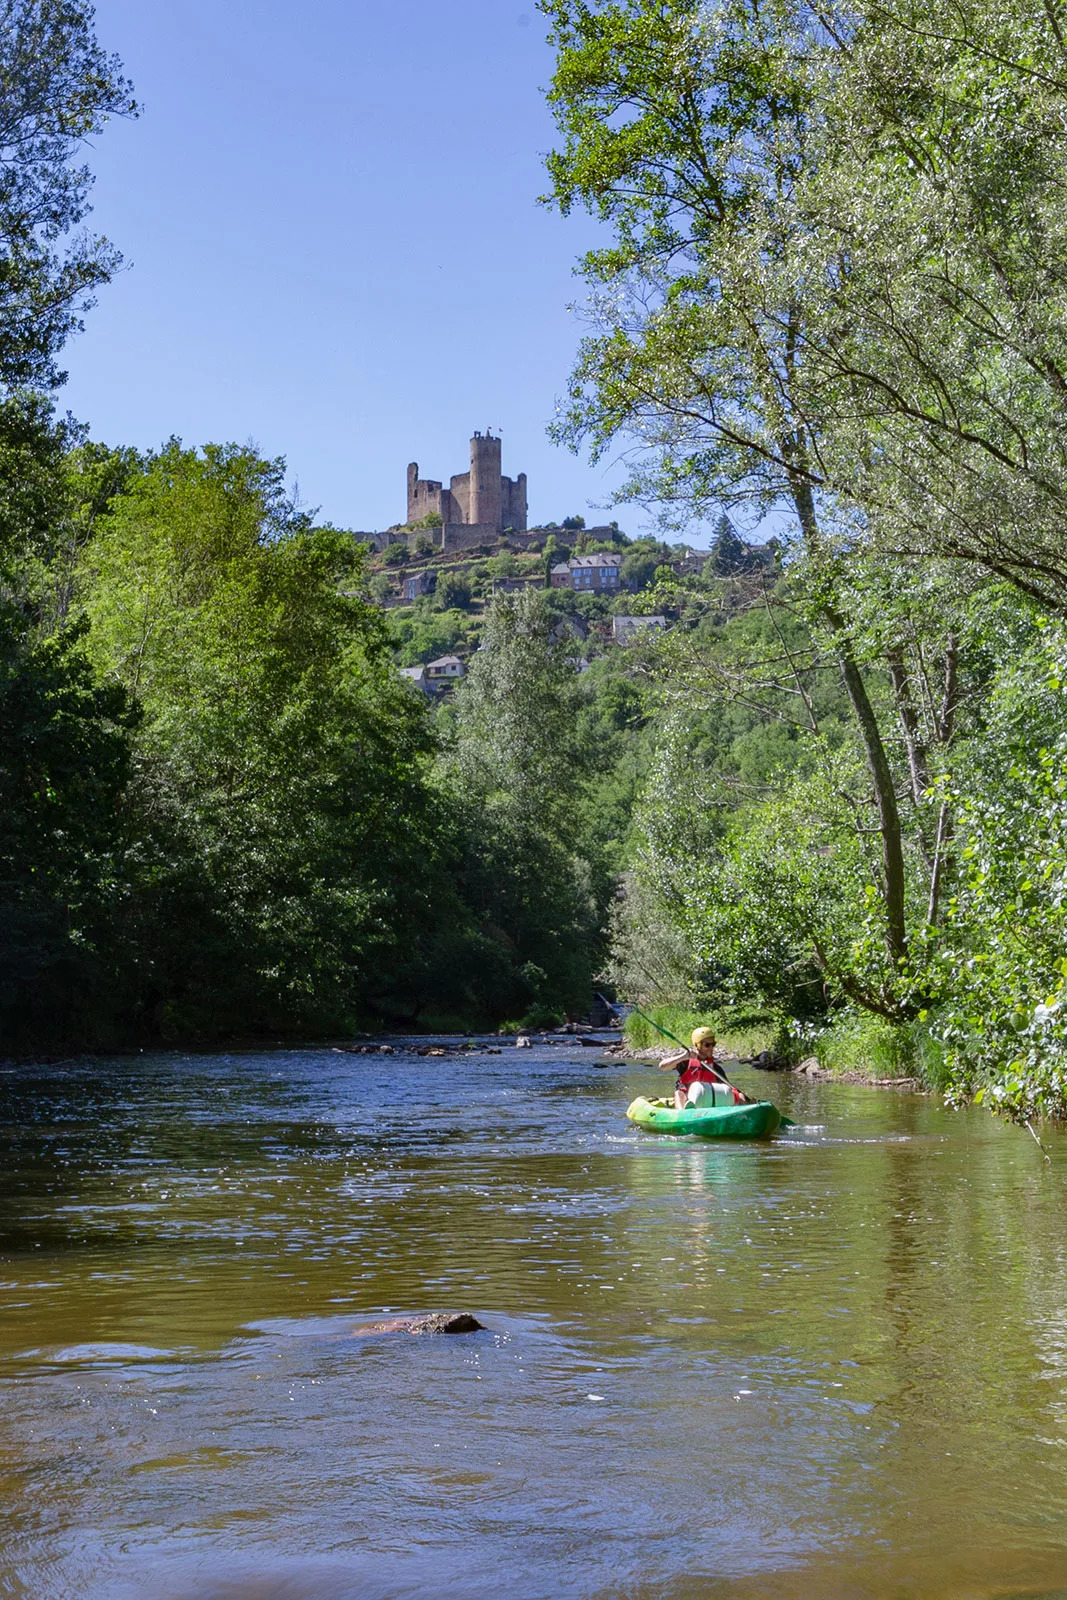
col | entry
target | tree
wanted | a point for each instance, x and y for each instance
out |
(59, 88)
(706, 316)
(279, 800)
(939, 357)
(452, 592)
(639, 565)
(518, 769)
(64, 764)
(729, 554)
(504, 565)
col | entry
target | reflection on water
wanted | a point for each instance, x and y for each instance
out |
(833, 1365)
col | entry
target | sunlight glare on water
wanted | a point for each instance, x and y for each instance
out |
(834, 1364)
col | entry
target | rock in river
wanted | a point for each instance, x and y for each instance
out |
(436, 1322)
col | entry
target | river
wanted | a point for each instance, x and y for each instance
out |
(832, 1365)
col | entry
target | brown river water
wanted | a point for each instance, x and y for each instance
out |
(832, 1365)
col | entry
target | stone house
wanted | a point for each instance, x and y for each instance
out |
(598, 574)
(436, 677)
(414, 584)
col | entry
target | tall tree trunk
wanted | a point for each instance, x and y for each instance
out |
(873, 745)
(909, 723)
(945, 724)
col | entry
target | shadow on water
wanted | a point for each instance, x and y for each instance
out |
(834, 1364)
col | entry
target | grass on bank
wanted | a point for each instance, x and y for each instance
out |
(856, 1041)
(739, 1031)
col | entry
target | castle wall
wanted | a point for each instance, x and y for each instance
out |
(513, 503)
(465, 535)
(461, 498)
(424, 495)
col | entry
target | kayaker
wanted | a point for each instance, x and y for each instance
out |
(695, 1068)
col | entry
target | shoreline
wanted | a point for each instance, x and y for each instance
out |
(808, 1068)
(457, 1044)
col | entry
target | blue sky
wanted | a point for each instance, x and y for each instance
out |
(328, 212)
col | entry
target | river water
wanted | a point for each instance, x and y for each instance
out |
(832, 1365)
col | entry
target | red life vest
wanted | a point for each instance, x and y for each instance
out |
(697, 1071)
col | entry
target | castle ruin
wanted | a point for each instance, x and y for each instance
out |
(478, 506)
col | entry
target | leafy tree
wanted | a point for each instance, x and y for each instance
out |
(729, 553)
(452, 593)
(64, 759)
(518, 769)
(427, 633)
(707, 320)
(278, 790)
(1000, 1010)
(59, 90)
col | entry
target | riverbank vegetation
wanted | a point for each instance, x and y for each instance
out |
(833, 293)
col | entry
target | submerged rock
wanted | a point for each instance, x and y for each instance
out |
(436, 1322)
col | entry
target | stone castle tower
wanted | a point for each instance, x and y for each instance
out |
(479, 499)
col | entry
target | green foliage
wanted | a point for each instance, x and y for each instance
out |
(857, 1042)
(639, 564)
(396, 555)
(504, 565)
(1001, 1002)
(517, 769)
(741, 1033)
(424, 633)
(60, 89)
(277, 789)
(452, 593)
(64, 762)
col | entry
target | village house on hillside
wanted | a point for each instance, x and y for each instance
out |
(625, 628)
(436, 677)
(597, 574)
(415, 584)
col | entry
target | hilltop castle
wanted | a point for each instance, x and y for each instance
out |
(479, 499)
(479, 507)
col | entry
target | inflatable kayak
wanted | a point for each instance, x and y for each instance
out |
(756, 1120)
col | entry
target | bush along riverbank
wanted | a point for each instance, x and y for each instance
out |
(852, 1046)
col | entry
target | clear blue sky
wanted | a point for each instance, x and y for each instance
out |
(328, 212)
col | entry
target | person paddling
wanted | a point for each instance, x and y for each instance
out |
(695, 1068)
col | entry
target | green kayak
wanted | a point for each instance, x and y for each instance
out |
(757, 1120)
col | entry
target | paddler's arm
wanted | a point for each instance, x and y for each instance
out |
(673, 1063)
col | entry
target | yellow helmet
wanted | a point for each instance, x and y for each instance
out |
(701, 1036)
